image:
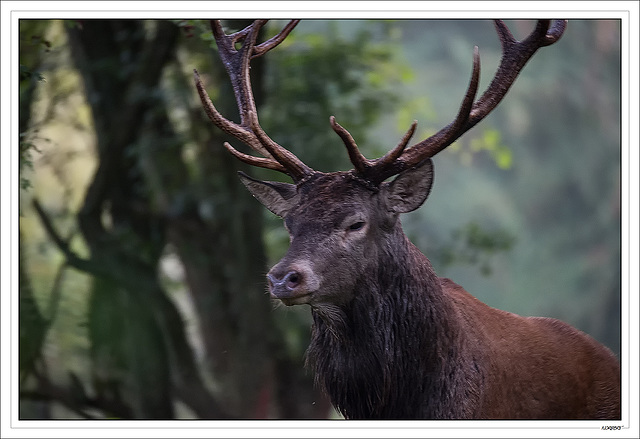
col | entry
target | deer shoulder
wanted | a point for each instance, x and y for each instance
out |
(526, 360)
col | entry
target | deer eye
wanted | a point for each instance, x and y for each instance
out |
(356, 226)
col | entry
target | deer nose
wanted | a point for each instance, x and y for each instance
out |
(292, 282)
(284, 284)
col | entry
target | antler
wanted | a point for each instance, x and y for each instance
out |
(515, 55)
(249, 131)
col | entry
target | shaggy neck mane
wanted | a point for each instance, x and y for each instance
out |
(378, 356)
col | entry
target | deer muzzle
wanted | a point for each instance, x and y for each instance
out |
(293, 285)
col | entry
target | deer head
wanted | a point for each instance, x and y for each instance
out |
(339, 222)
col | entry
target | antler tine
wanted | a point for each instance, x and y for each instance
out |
(357, 159)
(386, 165)
(361, 164)
(229, 127)
(515, 54)
(399, 149)
(249, 131)
(555, 33)
(260, 162)
(274, 41)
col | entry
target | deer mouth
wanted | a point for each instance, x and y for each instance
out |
(295, 300)
(289, 297)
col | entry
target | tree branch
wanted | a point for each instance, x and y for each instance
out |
(72, 259)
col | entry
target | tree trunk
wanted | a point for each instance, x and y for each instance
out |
(140, 352)
(144, 197)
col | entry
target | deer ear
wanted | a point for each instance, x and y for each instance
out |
(410, 189)
(278, 197)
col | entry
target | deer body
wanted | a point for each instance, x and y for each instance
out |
(391, 339)
(489, 365)
(535, 367)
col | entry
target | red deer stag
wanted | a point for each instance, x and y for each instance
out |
(391, 339)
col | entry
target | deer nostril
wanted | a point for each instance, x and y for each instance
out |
(292, 279)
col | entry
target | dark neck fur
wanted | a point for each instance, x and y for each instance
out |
(391, 353)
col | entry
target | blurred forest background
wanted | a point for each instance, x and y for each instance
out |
(142, 258)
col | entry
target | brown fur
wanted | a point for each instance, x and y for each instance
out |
(536, 367)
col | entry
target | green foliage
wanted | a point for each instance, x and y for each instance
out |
(490, 142)
(472, 245)
(27, 147)
(129, 362)
(33, 45)
(199, 28)
(27, 75)
(33, 327)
